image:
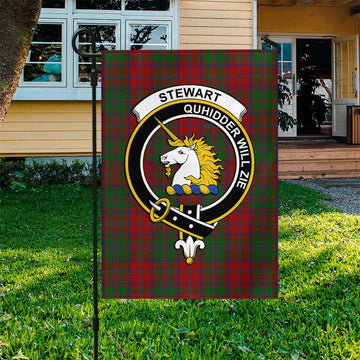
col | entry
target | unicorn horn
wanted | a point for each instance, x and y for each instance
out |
(172, 136)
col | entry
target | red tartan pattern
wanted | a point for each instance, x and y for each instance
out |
(240, 255)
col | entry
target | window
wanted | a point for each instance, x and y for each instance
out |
(54, 72)
(98, 4)
(284, 59)
(107, 38)
(148, 36)
(53, 4)
(147, 5)
(44, 66)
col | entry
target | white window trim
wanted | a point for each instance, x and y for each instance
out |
(70, 17)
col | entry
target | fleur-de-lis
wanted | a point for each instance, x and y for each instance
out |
(189, 248)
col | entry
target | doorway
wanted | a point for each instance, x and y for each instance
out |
(306, 66)
(314, 87)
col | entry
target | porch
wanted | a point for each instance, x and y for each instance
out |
(318, 158)
(319, 60)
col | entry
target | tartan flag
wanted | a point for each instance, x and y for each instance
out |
(189, 144)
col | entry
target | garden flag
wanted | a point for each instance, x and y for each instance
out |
(189, 144)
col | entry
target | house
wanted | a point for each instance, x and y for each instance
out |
(51, 111)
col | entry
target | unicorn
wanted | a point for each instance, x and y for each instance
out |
(198, 164)
(189, 163)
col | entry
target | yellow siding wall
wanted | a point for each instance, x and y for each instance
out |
(216, 24)
(301, 19)
(48, 128)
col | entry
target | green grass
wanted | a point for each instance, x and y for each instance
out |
(46, 290)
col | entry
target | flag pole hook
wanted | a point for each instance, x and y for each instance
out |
(93, 55)
(272, 43)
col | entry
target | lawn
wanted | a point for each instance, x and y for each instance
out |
(46, 290)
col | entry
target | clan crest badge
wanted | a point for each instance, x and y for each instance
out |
(189, 141)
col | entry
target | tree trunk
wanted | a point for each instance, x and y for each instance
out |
(18, 19)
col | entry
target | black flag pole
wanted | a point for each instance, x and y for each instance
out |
(93, 56)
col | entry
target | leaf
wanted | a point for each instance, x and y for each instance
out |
(20, 355)
(294, 356)
(68, 258)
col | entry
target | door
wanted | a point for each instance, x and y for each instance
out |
(345, 80)
(286, 69)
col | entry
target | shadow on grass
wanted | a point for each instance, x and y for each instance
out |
(58, 217)
(326, 267)
(294, 198)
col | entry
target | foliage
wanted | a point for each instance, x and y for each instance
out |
(9, 171)
(284, 96)
(37, 173)
(46, 290)
(17, 186)
(313, 106)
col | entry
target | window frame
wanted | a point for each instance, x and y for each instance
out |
(76, 62)
(51, 84)
(70, 88)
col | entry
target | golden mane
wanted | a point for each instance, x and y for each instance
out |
(209, 170)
